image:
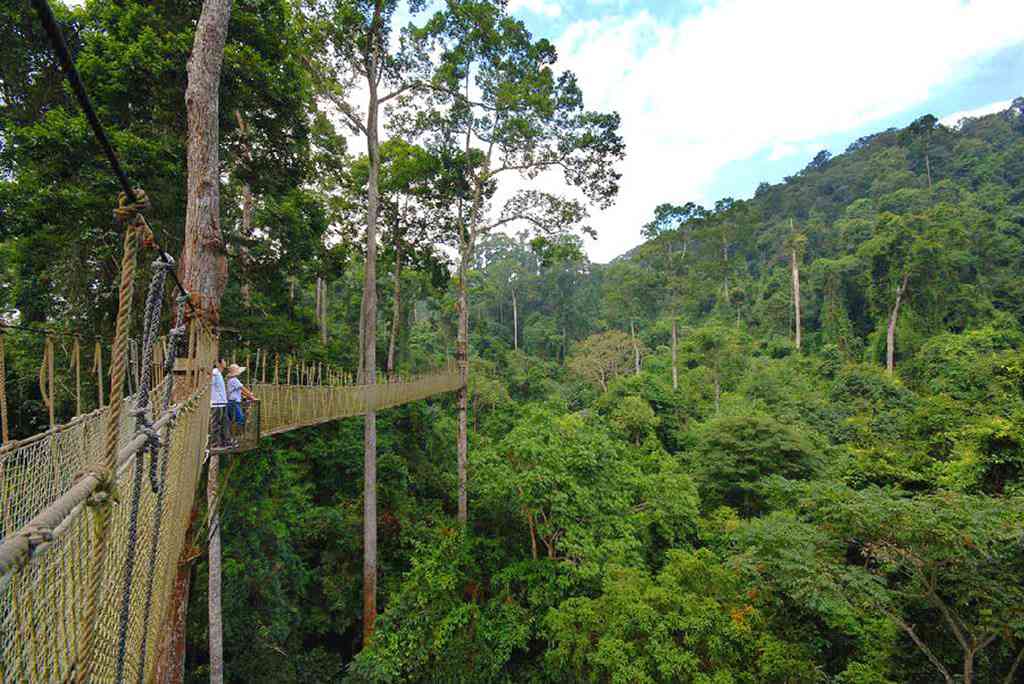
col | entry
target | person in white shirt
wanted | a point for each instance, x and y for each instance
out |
(218, 405)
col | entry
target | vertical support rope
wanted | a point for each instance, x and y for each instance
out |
(46, 379)
(97, 367)
(76, 362)
(4, 437)
(151, 326)
(108, 467)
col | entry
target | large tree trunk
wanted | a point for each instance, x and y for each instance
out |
(321, 308)
(796, 295)
(369, 347)
(675, 364)
(462, 357)
(246, 287)
(890, 335)
(170, 663)
(396, 310)
(204, 266)
(515, 321)
(216, 630)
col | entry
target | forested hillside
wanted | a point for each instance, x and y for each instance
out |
(759, 514)
(781, 441)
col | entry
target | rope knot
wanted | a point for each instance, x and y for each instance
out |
(106, 488)
(126, 211)
(36, 535)
(166, 262)
(145, 427)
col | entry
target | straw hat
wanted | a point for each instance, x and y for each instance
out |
(234, 370)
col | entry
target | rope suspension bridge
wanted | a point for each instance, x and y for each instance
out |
(95, 510)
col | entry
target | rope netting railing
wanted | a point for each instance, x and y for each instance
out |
(42, 598)
(84, 582)
(96, 509)
(289, 407)
(50, 506)
(35, 471)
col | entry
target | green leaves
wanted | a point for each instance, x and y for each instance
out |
(734, 453)
(693, 622)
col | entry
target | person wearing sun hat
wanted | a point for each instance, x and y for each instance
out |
(236, 392)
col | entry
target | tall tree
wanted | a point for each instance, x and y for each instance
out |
(510, 114)
(360, 34)
(203, 259)
(797, 243)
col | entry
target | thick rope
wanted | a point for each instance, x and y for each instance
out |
(4, 437)
(107, 490)
(151, 327)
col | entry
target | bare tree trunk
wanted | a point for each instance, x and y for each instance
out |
(718, 394)
(462, 357)
(890, 336)
(396, 310)
(216, 630)
(675, 366)
(725, 263)
(246, 288)
(203, 267)
(533, 535)
(369, 341)
(467, 240)
(636, 348)
(969, 666)
(515, 321)
(796, 295)
(203, 261)
(928, 169)
(321, 308)
(170, 663)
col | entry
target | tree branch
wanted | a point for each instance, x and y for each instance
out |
(350, 113)
(951, 619)
(921, 645)
(403, 89)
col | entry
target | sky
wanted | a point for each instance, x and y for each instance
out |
(717, 96)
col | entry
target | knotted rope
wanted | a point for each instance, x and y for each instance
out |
(143, 425)
(128, 215)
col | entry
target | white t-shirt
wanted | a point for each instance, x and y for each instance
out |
(234, 389)
(218, 395)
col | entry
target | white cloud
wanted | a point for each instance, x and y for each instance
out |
(742, 76)
(541, 7)
(954, 118)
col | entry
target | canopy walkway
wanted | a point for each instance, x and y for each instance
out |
(96, 511)
(53, 496)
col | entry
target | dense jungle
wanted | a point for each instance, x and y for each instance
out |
(782, 440)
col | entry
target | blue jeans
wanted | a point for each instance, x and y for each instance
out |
(235, 413)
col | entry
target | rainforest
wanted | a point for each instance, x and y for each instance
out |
(780, 440)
